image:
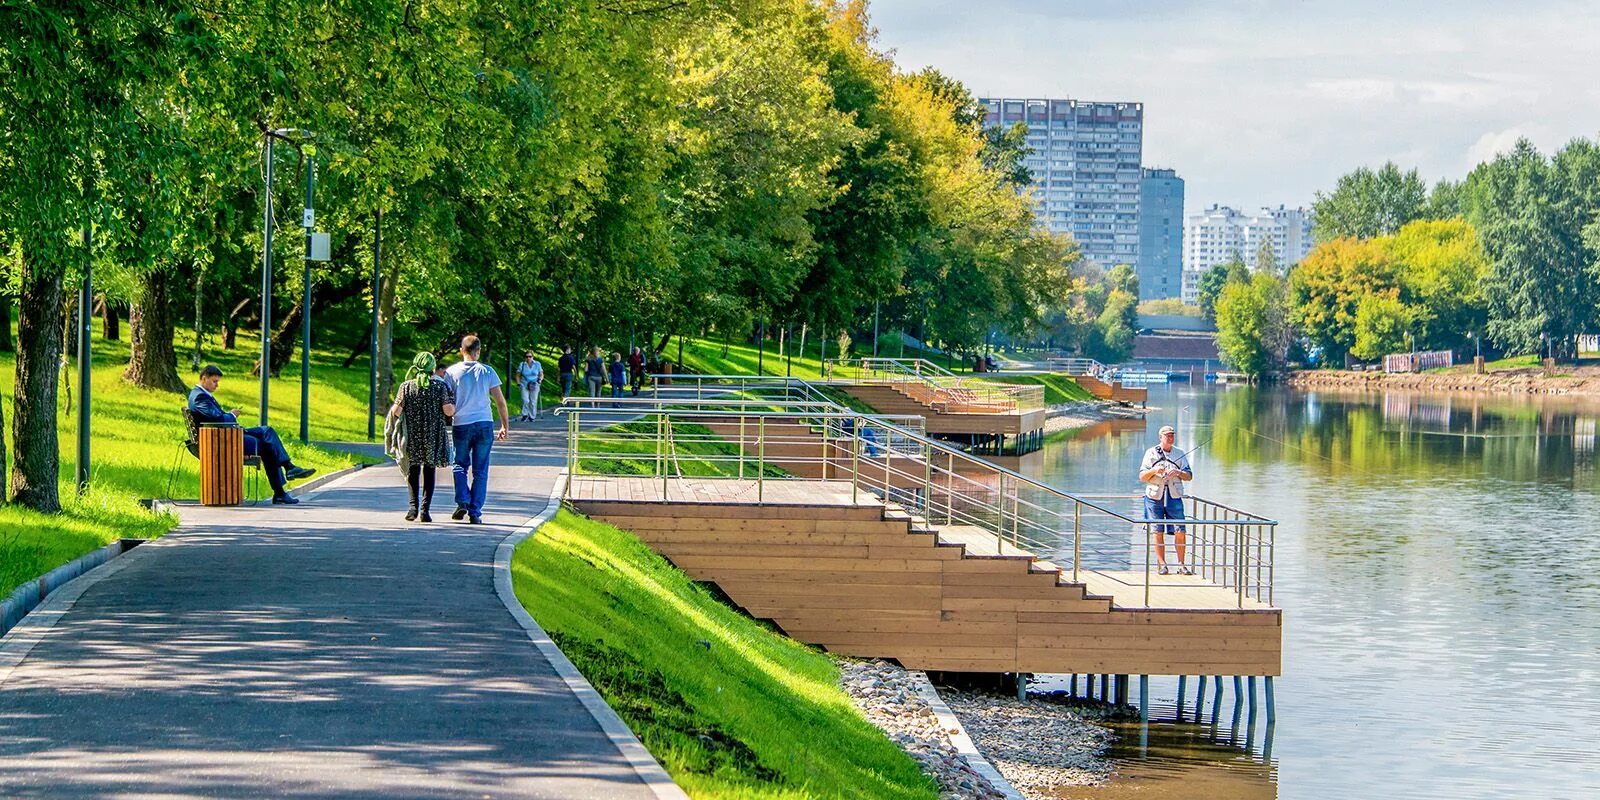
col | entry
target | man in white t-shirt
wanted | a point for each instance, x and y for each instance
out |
(474, 430)
(1163, 471)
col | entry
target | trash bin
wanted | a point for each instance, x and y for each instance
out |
(221, 465)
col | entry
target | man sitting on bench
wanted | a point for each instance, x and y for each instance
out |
(263, 441)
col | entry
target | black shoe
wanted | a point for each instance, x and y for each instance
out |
(284, 500)
(411, 514)
(475, 520)
(299, 472)
(424, 517)
(459, 514)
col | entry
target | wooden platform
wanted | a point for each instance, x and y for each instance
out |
(861, 578)
(996, 422)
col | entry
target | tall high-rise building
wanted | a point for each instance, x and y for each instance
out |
(1220, 234)
(1160, 235)
(1086, 169)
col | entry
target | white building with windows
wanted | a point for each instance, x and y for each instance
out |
(1086, 169)
(1219, 234)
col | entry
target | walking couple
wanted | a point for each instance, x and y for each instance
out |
(416, 435)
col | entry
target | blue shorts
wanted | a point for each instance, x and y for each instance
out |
(1172, 509)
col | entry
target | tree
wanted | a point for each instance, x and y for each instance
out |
(1326, 288)
(1212, 282)
(1253, 332)
(1266, 258)
(1382, 322)
(1368, 203)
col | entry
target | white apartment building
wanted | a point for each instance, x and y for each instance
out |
(1220, 234)
(1086, 169)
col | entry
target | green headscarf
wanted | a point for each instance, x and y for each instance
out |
(422, 368)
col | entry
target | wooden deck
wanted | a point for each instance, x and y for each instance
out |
(998, 422)
(861, 578)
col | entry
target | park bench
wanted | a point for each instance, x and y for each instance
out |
(192, 444)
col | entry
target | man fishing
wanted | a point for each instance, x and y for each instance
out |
(1163, 471)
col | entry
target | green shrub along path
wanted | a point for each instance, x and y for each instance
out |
(135, 438)
(729, 707)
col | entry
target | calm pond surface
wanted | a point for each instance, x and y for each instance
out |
(1438, 564)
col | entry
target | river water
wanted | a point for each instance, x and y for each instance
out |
(1438, 563)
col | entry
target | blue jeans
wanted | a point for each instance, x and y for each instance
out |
(473, 441)
(1171, 509)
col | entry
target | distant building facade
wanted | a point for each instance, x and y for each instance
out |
(1086, 165)
(1219, 234)
(1160, 235)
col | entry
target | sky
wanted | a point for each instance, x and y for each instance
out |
(1264, 102)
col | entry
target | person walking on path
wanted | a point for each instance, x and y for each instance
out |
(1163, 471)
(476, 384)
(423, 403)
(565, 366)
(636, 369)
(261, 441)
(594, 371)
(530, 373)
(619, 375)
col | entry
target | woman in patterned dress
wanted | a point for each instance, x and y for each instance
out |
(424, 402)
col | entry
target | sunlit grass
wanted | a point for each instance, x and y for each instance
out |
(135, 448)
(730, 708)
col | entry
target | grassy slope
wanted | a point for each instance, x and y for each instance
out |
(1057, 388)
(134, 444)
(730, 708)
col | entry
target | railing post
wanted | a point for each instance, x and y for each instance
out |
(1239, 561)
(1148, 543)
(662, 437)
(855, 459)
(927, 482)
(741, 446)
(1077, 538)
(572, 451)
(761, 459)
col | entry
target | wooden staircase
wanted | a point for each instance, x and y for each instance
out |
(946, 419)
(864, 578)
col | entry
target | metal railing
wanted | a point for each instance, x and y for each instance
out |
(936, 387)
(1103, 541)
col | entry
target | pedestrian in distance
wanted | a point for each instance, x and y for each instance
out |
(636, 369)
(422, 407)
(618, 375)
(1163, 471)
(594, 371)
(476, 385)
(530, 373)
(565, 367)
(260, 441)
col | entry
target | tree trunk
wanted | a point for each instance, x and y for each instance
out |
(386, 303)
(154, 361)
(110, 321)
(360, 349)
(230, 329)
(69, 326)
(37, 466)
(6, 345)
(199, 319)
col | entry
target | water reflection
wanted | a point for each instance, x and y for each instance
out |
(1438, 570)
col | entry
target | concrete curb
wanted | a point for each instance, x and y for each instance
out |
(332, 480)
(644, 764)
(959, 739)
(30, 595)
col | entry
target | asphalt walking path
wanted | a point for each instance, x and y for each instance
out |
(326, 650)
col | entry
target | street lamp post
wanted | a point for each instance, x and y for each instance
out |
(305, 303)
(372, 360)
(266, 282)
(85, 297)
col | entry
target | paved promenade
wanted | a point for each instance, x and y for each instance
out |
(329, 650)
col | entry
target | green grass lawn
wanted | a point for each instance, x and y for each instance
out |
(134, 445)
(696, 452)
(1057, 388)
(729, 707)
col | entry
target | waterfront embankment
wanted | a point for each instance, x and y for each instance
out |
(1082, 414)
(1563, 380)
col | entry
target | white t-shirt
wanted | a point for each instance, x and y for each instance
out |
(473, 380)
(531, 373)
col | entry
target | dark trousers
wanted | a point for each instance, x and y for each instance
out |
(270, 437)
(271, 460)
(425, 476)
(566, 385)
(473, 442)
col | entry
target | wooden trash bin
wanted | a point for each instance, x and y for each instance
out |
(221, 465)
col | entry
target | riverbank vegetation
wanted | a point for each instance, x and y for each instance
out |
(728, 706)
(1506, 260)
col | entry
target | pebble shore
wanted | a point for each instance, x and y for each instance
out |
(1037, 746)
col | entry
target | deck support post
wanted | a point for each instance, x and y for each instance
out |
(1252, 690)
(1272, 706)
(1216, 699)
(1144, 699)
(1072, 686)
(1183, 682)
(1022, 685)
(1200, 699)
(1105, 688)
